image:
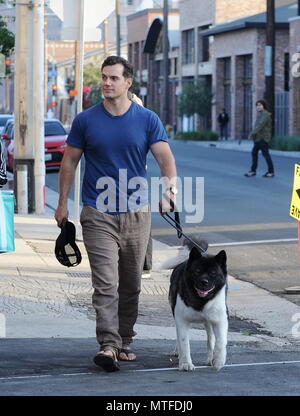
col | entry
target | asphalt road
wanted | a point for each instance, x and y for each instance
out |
(235, 208)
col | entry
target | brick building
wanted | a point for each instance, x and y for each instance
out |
(197, 52)
(294, 125)
(238, 75)
(145, 53)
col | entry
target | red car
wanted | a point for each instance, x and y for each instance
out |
(55, 143)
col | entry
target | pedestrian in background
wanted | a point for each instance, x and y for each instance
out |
(261, 135)
(223, 120)
(114, 136)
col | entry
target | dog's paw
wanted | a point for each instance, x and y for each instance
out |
(218, 364)
(186, 367)
(209, 362)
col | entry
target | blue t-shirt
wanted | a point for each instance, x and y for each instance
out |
(115, 150)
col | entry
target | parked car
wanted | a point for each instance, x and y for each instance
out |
(55, 143)
(3, 120)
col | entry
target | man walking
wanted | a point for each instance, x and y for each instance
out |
(115, 137)
(261, 134)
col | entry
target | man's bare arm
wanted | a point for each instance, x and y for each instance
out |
(70, 161)
(165, 159)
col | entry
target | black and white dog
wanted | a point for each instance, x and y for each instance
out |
(198, 294)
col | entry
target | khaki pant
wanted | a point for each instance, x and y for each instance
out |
(116, 247)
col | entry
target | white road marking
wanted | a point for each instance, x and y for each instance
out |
(226, 365)
(149, 370)
(242, 243)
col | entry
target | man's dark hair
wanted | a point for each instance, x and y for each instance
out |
(113, 60)
(262, 102)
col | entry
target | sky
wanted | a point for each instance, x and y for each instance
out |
(106, 7)
(95, 12)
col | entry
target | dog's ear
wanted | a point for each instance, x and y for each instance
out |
(221, 258)
(194, 254)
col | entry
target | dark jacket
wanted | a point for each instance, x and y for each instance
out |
(262, 128)
(223, 118)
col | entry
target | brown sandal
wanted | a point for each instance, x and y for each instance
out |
(109, 363)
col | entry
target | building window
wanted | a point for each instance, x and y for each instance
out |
(247, 94)
(130, 52)
(203, 45)
(129, 2)
(286, 72)
(248, 67)
(175, 66)
(188, 46)
(227, 70)
(136, 56)
(227, 85)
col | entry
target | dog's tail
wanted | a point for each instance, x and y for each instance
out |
(183, 253)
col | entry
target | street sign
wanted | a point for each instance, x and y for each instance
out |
(2, 66)
(295, 202)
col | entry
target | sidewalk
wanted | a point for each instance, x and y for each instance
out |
(241, 146)
(41, 298)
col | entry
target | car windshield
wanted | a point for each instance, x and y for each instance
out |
(3, 120)
(54, 129)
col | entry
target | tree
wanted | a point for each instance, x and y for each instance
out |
(91, 78)
(7, 38)
(196, 98)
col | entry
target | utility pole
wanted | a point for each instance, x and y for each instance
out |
(79, 88)
(165, 112)
(23, 109)
(39, 103)
(270, 60)
(118, 34)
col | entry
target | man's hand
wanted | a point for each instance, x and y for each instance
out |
(61, 215)
(165, 204)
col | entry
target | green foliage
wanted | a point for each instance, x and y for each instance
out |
(196, 98)
(7, 39)
(91, 77)
(285, 143)
(201, 135)
(94, 96)
(91, 73)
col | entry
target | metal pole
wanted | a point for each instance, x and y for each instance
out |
(39, 103)
(270, 60)
(118, 34)
(165, 113)
(79, 88)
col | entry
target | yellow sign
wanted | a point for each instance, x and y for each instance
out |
(295, 202)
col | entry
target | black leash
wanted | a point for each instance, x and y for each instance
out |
(175, 223)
